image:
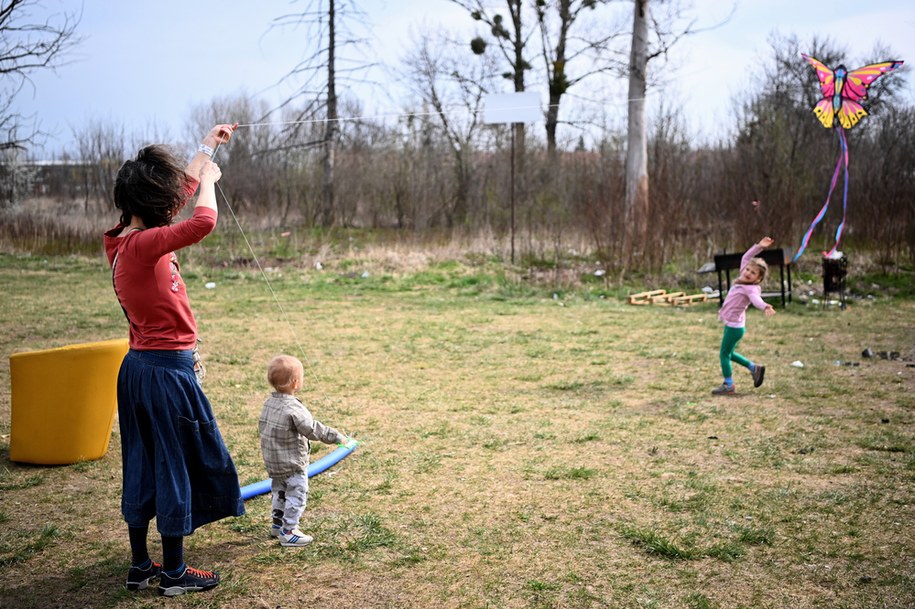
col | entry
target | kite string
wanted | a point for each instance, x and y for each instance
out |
(392, 115)
(341, 119)
(295, 337)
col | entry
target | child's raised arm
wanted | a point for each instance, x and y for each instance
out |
(765, 242)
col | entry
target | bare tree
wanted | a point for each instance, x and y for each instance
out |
(17, 178)
(575, 46)
(455, 91)
(665, 32)
(327, 24)
(637, 132)
(330, 140)
(572, 45)
(512, 45)
(29, 41)
(100, 148)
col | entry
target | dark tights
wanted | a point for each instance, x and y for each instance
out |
(172, 549)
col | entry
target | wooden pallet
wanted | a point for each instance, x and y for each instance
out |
(682, 301)
(664, 298)
(644, 298)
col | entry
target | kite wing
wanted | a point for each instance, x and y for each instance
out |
(858, 81)
(827, 77)
(825, 112)
(850, 113)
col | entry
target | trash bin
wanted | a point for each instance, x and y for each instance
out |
(63, 402)
(835, 271)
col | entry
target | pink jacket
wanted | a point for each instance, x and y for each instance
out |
(741, 295)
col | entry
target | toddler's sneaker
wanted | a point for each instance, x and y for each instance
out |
(294, 538)
(759, 372)
(138, 579)
(275, 530)
(188, 580)
(724, 389)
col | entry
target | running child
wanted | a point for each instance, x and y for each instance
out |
(745, 291)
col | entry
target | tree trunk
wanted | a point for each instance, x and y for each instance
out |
(514, 9)
(330, 130)
(558, 83)
(637, 202)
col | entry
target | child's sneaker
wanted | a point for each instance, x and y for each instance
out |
(138, 579)
(759, 372)
(724, 389)
(275, 530)
(188, 580)
(294, 538)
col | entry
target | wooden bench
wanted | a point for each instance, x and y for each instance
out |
(725, 263)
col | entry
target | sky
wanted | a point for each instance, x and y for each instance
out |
(146, 64)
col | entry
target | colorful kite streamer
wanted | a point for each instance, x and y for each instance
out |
(840, 108)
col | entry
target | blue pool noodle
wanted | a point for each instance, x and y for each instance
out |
(322, 464)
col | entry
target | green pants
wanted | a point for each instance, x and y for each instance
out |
(729, 342)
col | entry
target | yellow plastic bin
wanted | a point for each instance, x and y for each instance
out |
(63, 402)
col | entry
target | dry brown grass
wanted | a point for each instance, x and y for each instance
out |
(519, 451)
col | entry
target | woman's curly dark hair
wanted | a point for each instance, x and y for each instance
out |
(152, 187)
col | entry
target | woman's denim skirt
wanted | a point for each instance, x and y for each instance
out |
(175, 464)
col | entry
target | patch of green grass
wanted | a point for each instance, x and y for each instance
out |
(442, 430)
(588, 437)
(351, 537)
(838, 470)
(426, 462)
(622, 381)
(686, 411)
(540, 586)
(583, 388)
(886, 442)
(566, 386)
(370, 534)
(8, 482)
(727, 551)
(755, 536)
(82, 466)
(249, 525)
(274, 556)
(19, 547)
(495, 443)
(657, 544)
(543, 593)
(895, 285)
(697, 600)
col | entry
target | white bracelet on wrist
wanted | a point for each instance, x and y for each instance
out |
(205, 150)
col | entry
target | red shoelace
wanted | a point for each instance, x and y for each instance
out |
(199, 573)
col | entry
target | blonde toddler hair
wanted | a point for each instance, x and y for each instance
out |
(282, 372)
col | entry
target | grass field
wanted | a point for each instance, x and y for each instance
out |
(522, 448)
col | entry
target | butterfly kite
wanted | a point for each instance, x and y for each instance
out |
(841, 108)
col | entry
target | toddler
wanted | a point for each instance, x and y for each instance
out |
(286, 430)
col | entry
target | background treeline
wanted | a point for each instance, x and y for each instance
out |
(437, 169)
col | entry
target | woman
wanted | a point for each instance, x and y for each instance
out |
(174, 462)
